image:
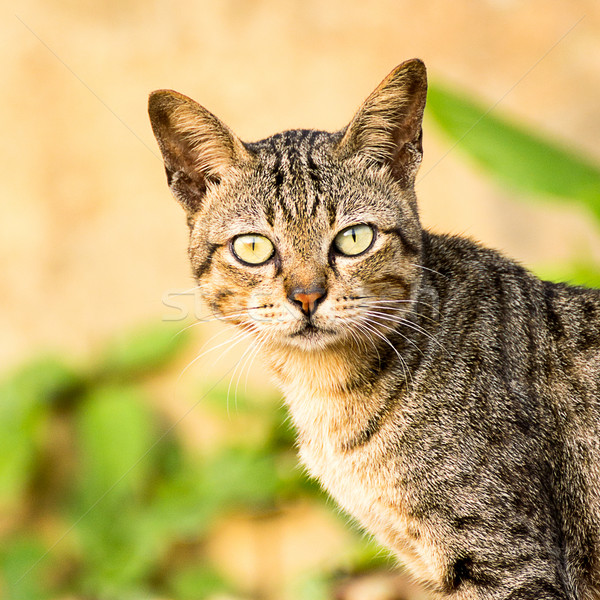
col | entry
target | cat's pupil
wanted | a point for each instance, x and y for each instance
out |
(354, 240)
(252, 249)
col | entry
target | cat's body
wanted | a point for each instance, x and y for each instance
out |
(489, 462)
(447, 398)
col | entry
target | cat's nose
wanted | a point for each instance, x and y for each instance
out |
(307, 300)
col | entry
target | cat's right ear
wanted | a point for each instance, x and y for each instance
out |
(198, 149)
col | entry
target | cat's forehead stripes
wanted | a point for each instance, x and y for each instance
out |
(292, 163)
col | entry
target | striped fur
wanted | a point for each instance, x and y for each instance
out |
(448, 399)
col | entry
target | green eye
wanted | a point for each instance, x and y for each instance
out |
(252, 249)
(354, 240)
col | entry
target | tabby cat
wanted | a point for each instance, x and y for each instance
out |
(446, 397)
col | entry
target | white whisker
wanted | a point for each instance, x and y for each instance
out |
(410, 324)
(388, 327)
(384, 303)
(201, 321)
(422, 331)
(359, 341)
(256, 344)
(239, 362)
(428, 269)
(384, 339)
(232, 343)
(397, 300)
(261, 340)
(360, 327)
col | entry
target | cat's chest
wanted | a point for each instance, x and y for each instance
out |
(367, 480)
(360, 479)
(345, 446)
(360, 471)
(352, 444)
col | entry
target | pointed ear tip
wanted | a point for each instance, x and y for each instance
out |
(157, 100)
(157, 94)
(161, 99)
(415, 66)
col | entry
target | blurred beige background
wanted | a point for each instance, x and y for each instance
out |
(91, 240)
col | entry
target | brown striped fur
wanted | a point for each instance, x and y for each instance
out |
(447, 398)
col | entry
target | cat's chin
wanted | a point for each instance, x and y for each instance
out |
(311, 337)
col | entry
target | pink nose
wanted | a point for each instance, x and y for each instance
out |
(307, 299)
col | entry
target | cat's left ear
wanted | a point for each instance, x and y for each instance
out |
(386, 130)
(198, 149)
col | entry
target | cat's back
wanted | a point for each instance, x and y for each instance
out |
(548, 332)
(573, 315)
(535, 345)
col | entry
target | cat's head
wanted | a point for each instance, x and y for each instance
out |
(309, 239)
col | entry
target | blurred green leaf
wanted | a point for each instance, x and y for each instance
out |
(579, 272)
(144, 350)
(283, 433)
(181, 507)
(115, 432)
(313, 586)
(18, 581)
(118, 554)
(45, 380)
(26, 397)
(271, 412)
(241, 477)
(277, 444)
(513, 153)
(236, 401)
(294, 481)
(197, 583)
(366, 554)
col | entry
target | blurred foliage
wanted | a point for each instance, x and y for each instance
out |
(103, 516)
(514, 154)
(524, 160)
(101, 499)
(578, 272)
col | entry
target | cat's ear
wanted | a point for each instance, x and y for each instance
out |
(386, 130)
(198, 149)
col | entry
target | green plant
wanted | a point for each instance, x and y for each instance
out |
(524, 160)
(121, 493)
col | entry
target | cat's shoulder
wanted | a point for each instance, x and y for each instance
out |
(471, 264)
(462, 255)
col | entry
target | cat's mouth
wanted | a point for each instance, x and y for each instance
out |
(309, 332)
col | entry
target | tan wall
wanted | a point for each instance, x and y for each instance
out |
(90, 238)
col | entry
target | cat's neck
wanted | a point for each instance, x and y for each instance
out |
(332, 394)
(327, 371)
(343, 390)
